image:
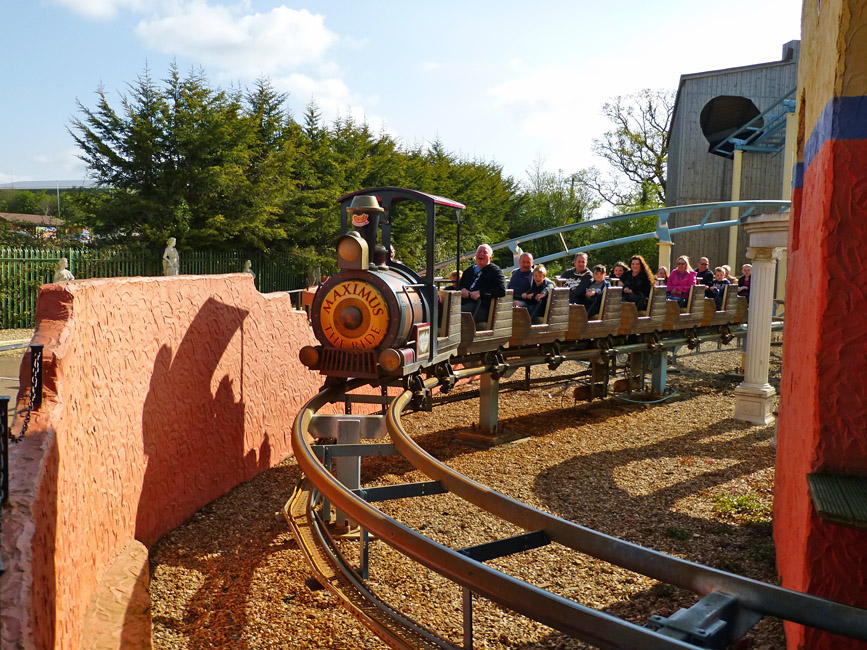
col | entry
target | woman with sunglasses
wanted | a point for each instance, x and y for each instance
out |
(680, 280)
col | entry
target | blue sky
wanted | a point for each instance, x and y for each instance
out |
(504, 81)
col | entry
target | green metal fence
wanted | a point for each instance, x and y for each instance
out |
(24, 270)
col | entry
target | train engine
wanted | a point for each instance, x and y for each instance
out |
(374, 316)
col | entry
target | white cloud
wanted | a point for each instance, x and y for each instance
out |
(429, 66)
(272, 43)
(332, 96)
(559, 109)
(66, 161)
(103, 9)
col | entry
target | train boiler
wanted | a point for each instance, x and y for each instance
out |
(377, 317)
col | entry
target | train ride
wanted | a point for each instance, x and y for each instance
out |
(378, 319)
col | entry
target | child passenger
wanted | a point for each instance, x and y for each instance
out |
(537, 296)
(617, 272)
(662, 276)
(595, 290)
(717, 288)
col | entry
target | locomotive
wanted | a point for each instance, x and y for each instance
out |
(374, 317)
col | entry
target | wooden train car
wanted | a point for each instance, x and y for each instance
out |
(377, 318)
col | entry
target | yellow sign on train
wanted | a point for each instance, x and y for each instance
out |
(354, 315)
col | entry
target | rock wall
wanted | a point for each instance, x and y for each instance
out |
(161, 394)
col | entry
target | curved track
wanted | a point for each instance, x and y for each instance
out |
(752, 599)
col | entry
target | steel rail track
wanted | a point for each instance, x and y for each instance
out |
(331, 571)
(754, 598)
(569, 617)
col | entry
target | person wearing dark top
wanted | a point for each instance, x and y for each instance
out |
(480, 283)
(578, 279)
(718, 287)
(595, 291)
(744, 281)
(637, 282)
(521, 279)
(538, 293)
(617, 272)
(703, 274)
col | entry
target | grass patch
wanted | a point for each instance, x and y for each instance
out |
(747, 508)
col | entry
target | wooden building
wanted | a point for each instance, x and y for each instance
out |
(709, 108)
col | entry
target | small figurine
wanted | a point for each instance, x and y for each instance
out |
(171, 259)
(247, 268)
(61, 271)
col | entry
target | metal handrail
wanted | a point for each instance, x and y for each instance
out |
(662, 232)
(757, 129)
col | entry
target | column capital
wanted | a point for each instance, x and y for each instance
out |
(763, 253)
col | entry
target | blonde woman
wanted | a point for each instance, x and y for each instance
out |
(680, 281)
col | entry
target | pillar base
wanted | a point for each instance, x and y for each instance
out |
(486, 439)
(755, 403)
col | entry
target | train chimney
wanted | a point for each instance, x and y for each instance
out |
(364, 212)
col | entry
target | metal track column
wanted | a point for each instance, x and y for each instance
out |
(489, 404)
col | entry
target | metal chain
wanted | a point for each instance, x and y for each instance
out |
(36, 364)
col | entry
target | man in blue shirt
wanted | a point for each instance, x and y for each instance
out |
(521, 279)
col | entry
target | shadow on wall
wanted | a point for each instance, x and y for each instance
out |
(44, 572)
(194, 441)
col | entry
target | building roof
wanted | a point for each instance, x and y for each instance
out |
(48, 185)
(35, 219)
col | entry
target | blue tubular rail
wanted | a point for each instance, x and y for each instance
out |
(662, 233)
(754, 598)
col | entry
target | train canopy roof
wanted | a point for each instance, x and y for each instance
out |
(398, 193)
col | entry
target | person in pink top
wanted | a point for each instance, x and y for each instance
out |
(680, 280)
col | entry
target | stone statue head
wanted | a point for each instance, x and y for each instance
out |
(247, 265)
(171, 241)
(62, 263)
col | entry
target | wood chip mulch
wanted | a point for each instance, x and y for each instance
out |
(682, 477)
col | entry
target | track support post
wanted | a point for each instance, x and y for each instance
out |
(658, 371)
(489, 404)
(348, 467)
(468, 619)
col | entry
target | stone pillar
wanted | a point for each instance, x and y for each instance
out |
(754, 398)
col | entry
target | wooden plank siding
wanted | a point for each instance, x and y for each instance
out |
(696, 176)
(475, 341)
(553, 329)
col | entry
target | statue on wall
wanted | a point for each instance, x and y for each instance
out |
(62, 272)
(248, 268)
(171, 259)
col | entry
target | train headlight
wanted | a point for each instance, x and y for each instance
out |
(352, 252)
(391, 359)
(309, 356)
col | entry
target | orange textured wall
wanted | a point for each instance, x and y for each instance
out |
(161, 394)
(822, 403)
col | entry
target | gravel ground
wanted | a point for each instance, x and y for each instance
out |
(14, 335)
(682, 477)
